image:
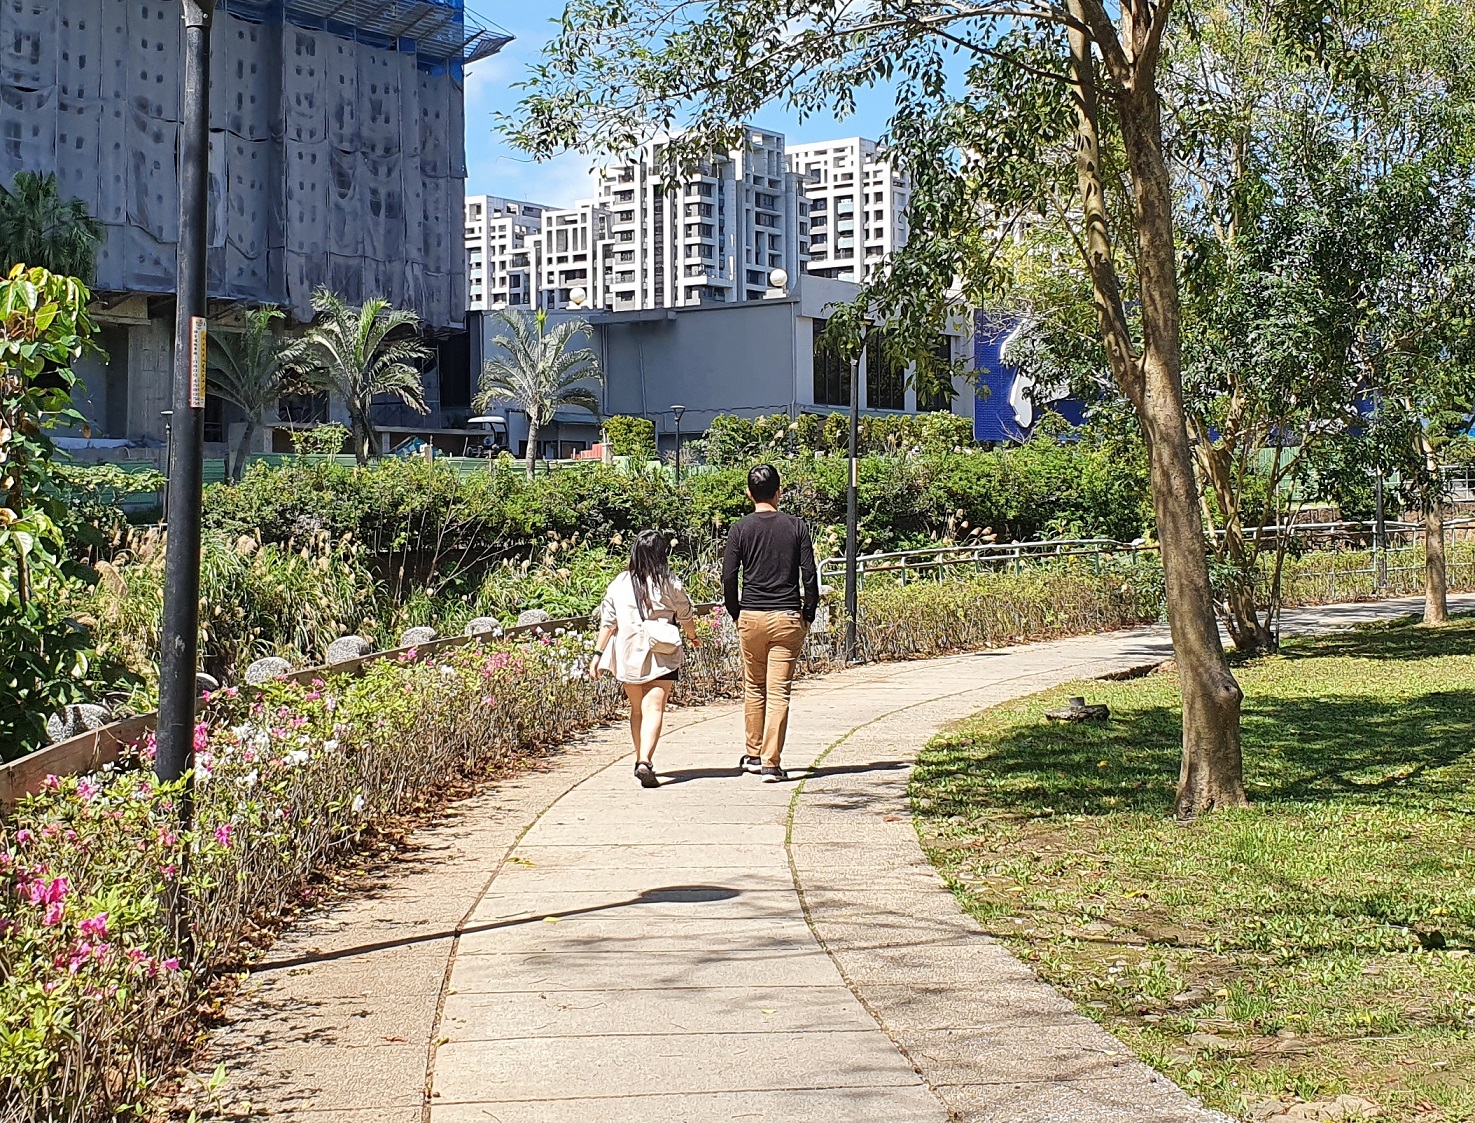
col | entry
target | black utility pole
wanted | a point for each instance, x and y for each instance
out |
(678, 411)
(852, 515)
(179, 657)
(1380, 524)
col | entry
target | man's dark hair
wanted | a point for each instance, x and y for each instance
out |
(763, 483)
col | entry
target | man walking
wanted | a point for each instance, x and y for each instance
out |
(774, 555)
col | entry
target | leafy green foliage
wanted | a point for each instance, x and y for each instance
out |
(42, 230)
(733, 441)
(93, 497)
(44, 658)
(540, 369)
(359, 354)
(246, 369)
(321, 440)
(631, 436)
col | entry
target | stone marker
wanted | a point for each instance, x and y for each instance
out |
(532, 616)
(264, 670)
(414, 637)
(345, 648)
(483, 624)
(73, 721)
(206, 684)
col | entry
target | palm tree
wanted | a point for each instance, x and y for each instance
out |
(358, 354)
(40, 228)
(245, 368)
(539, 371)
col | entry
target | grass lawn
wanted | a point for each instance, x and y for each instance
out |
(1317, 944)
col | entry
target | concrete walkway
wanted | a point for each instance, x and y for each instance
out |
(575, 947)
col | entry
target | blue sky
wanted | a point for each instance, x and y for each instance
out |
(494, 168)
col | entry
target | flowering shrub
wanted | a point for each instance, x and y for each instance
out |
(95, 984)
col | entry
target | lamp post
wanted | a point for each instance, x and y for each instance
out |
(179, 657)
(677, 411)
(167, 415)
(852, 518)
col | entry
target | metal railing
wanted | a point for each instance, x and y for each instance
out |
(934, 561)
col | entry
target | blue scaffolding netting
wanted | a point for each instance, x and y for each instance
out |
(437, 31)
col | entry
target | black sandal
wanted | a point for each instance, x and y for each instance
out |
(646, 775)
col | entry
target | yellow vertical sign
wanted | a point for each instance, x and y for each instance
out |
(197, 362)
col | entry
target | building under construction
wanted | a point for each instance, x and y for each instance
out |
(337, 159)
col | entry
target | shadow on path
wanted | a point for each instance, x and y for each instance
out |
(671, 894)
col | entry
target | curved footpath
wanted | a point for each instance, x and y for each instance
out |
(569, 946)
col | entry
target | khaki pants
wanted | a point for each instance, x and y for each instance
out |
(771, 643)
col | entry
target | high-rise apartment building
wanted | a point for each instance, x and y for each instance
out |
(501, 242)
(570, 255)
(857, 206)
(715, 234)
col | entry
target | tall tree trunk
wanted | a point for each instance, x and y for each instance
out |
(533, 429)
(1212, 774)
(1436, 590)
(242, 450)
(1240, 610)
(1212, 770)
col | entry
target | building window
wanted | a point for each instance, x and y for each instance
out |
(831, 373)
(886, 377)
(939, 398)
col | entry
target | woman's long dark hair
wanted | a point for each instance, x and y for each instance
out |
(650, 565)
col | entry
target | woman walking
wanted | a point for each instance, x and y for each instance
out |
(641, 622)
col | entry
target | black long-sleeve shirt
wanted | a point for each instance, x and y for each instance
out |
(775, 555)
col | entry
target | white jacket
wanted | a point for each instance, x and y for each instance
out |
(627, 655)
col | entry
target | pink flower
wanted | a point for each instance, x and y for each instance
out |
(232, 691)
(169, 871)
(48, 893)
(51, 783)
(88, 789)
(223, 834)
(318, 684)
(94, 925)
(24, 836)
(170, 964)
(56, 912)
(311, 696)
(202, 736)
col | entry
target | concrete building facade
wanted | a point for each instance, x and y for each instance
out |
(502, 237)
(857, 206)
(337, 159)
(754, 358)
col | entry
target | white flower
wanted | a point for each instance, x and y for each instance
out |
(447, 670)
(358, 804)
(331, 746)
(249, 779)
(296, 757)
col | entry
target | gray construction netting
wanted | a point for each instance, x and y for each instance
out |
(333, 161)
